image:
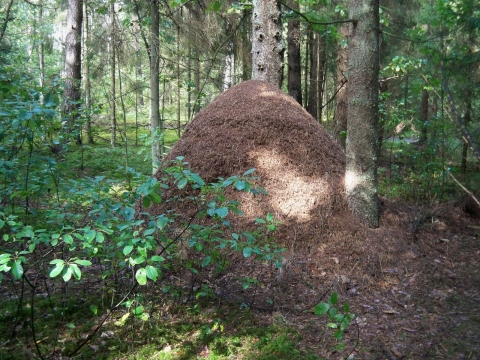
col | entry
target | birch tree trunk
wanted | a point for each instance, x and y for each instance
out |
(361, 145)
(267, 44)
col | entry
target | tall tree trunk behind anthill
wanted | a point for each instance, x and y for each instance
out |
(267, 43)
(340, 117)
(113, 101)
(361, 145)
(156, 125)
(86, 74)
(73, 66)
(294, 59)
(312, 105)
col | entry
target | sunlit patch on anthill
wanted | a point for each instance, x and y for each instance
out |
(295, 196)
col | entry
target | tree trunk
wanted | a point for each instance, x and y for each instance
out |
(86, 74)
(321, 66)
(156, 126)
(73, 65)
(294, 59)
(361, 145)
(179, 83)
(312, 106)
(467, 119)
(267, 44)
(340, 117)
(113, 103)
(424, 115)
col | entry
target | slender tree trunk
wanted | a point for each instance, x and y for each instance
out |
(156, 125)
(267, 44)
(179, 83)
(294, 59)
(312, 106)
(138, 60)
(340, 117)
(322, 61)
(86, 73)
(41, 50)
(73, 66)
(361, 145)
(467, 119)
(424, 115)
(308, 45)
(113, 101)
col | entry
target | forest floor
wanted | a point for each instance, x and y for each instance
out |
(413, 283)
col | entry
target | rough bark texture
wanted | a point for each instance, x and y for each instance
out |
(73, 62)
(294, 59)
(340, 117)
(156, 126)
(312, 104)
(113, 94)
(361, 145)
(267, 44)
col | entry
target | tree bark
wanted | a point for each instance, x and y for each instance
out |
(361, 144)
(156, 126)
(294, 59)
(267, 44)
(86, 74)
(113, 101)
(312, 105)
(340, 117)
(73, 65)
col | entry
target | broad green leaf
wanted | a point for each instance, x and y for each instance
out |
(2, 224)
(269, 217)
(94, 309)
(146, 202)
(332, 325)
(141, 276)
(197, 179)
(67, 274)
(76, 271)
(248, 172)
(100, 238)
(157, 258)
(138, 311)
(338, 334)
(206, 260)
(321, 308)
(247, 251)
(17, 270)
(90, 235)
(151, 272)
(222, 212)
(127, 249)
(239, 185)
(155, 198)
(83, 262)
(334, 298)
(67, 239)
(162, 221)
(346, 308)
(57, 270)
(182, 183)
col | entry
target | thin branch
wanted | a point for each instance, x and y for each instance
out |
(463, 187)
(317, 22)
